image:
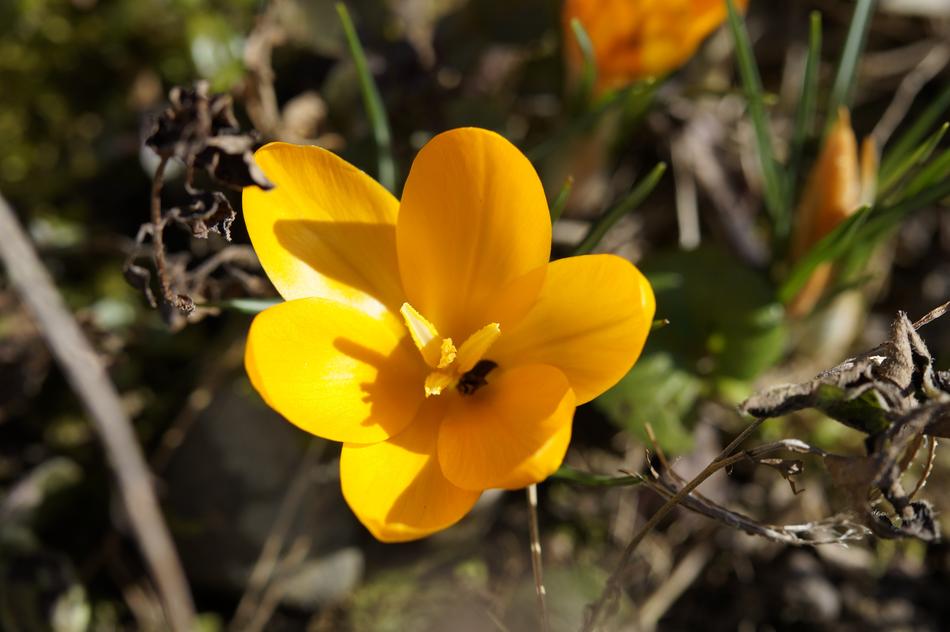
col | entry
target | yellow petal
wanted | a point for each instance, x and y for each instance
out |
(396, 488)
(510, 433)
(326, 229)
(334, 371)
(590, 320)
(473, 220)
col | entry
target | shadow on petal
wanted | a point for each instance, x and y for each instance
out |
(396, 390)
(347, 255)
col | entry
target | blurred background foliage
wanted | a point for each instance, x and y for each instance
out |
(83, 79)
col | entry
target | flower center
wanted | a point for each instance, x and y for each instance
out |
(461, 367)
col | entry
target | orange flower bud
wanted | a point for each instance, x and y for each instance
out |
(838, 185)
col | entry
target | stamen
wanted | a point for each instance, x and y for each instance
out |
(424, 334)
(448, 353)
(436, 382)
(476, 345)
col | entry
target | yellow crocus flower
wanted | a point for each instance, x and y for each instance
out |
(636, 39)
(432, 336)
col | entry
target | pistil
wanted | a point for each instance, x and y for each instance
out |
(462, 368)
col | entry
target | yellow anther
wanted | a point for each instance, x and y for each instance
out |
(437, 381)
(424, 334)
(448, 353)
(475, 347)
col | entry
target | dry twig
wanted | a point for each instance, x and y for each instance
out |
(97, 393)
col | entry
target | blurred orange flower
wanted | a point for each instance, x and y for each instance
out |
(635, 39)
(377, 293)
(839, 184)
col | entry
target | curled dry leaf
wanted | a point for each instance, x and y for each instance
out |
(199, 129)
(894, 394)
(202, 131)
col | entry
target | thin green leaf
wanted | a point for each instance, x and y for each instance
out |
(634, 199)
(775, 199)
(913, 159)
(561, 200)
(847, 70)
(936, 170)
(805, 112)
(659, 323)
(830, 247)
(386, 165)
(886, 218)
(244, 305)
(567, 473)
(589, 72)
(861, 231)
(910, 139)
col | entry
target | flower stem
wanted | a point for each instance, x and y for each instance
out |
(536, 556)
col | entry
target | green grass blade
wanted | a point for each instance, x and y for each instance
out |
(936, 170)
(567, 473)
(910, 139)
(589, 72)
(244, 305)
(847, 71)
(860, 231)
(386, 165)
(887, 218)
(913, 159)
(634, 199)
(805, 113)
(775, 198)
(833, 245)
(561, 200)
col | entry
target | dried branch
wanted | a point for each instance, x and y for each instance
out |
(97, 393)
(614, 584)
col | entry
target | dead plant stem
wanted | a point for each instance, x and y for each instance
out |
(614, 583)
(536, 567)
(91, 383)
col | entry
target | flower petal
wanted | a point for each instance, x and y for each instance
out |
(326, 229)
(510, 433)
(590, 320)
(473, 220)
(334, 371)
(396, 487)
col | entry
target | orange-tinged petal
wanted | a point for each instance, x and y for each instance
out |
(590, 320)
(833, 189)
(334, 371)
(473, 220)
(510, 433)
(838, 185)
(326, 229)
(396, 487)
(634, 39)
